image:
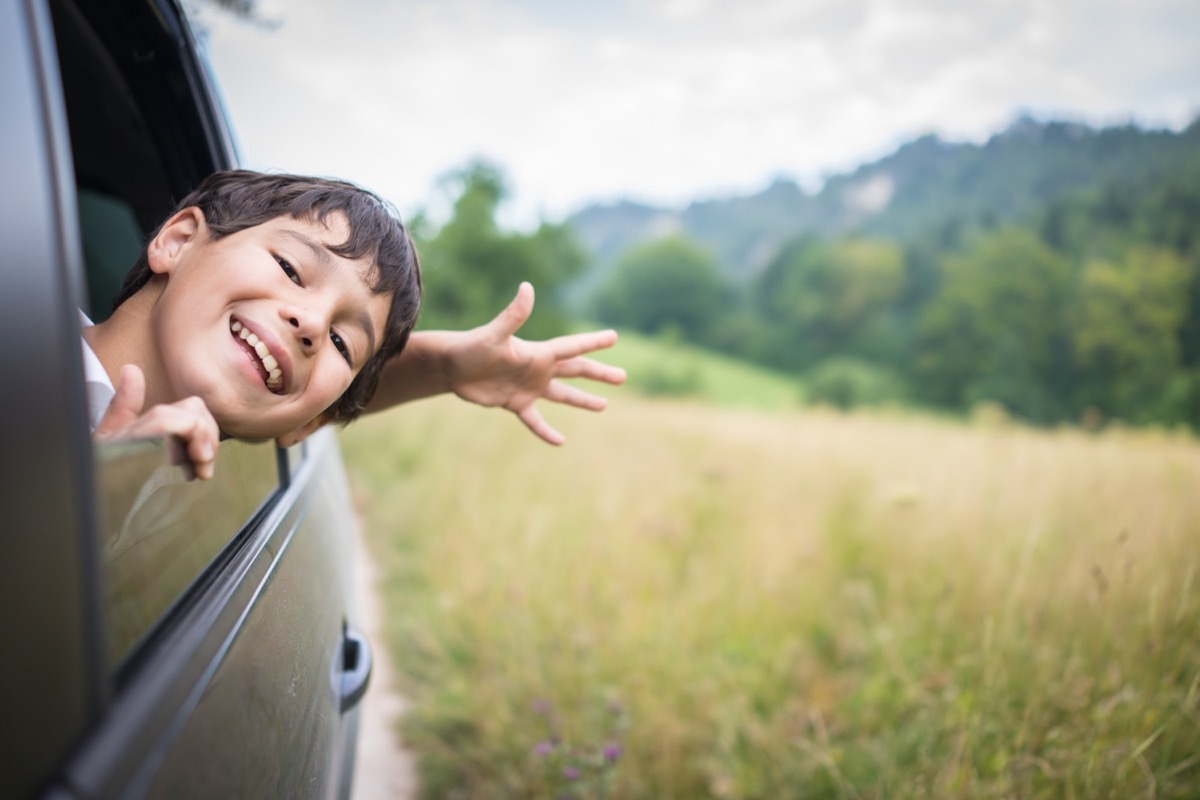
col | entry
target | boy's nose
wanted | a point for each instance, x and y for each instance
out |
(306, 326)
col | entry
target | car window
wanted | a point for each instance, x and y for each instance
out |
(141, 138)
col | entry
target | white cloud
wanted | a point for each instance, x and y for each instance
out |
(677, 98)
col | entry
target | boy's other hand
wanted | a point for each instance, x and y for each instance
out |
(491, 366)
(189, 421)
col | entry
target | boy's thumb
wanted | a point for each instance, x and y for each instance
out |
(510, 320)
(126, 404)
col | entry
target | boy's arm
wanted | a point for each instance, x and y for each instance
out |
(491, 366)
(189, 420)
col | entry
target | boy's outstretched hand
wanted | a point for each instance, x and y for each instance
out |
(189, 421)
(492, 366)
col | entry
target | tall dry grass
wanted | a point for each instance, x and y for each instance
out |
(684, 603)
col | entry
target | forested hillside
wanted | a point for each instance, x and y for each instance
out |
(1053, 271)
(926, 184)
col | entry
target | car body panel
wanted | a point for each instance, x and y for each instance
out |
(286, 733)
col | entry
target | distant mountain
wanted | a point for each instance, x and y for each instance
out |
(925, 186)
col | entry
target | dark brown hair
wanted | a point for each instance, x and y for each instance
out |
(238, 199)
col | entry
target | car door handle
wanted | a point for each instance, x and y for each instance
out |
(356, 668)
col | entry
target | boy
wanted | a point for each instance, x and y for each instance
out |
(268, 306)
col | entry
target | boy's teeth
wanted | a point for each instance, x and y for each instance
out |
(269, 362)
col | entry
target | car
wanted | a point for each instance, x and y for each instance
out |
(167, 638)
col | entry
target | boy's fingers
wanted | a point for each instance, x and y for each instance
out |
(190, 421)
(202, 436)
(572, 396)
(591, 369)
(540, 428)
(204, 465)
(510, 320)
(576, 344)
(126, 405)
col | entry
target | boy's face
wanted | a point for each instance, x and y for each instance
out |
(266, 325)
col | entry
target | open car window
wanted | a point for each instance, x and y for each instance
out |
(141, 138)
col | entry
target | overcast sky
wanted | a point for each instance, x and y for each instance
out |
(665, 101)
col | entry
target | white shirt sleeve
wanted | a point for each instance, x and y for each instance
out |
(99, 388)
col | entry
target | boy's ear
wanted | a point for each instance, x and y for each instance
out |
(303, 432)
(183, 228)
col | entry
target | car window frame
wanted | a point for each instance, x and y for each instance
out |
(55, 691)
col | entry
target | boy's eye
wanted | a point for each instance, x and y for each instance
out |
(340, 344)
(288, 270)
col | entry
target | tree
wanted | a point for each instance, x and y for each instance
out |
(851, 383)
(823, 299)
(667, 284)
(471, 268)
(1126, 336)
(997, 329)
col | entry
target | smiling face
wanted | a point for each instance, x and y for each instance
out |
(267, 325)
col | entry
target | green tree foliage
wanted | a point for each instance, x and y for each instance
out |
(666, 285)
(1125, 336)
(997, 328)
(1009, 180)
(471, 268)
(1054, 271)
(851, 383)
(830, 298)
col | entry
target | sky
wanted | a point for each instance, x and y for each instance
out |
(668, 101)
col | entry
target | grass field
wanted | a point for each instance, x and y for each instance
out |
(675, 369)
(688, 601)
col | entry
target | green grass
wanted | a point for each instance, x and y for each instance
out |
(791, 604)
(665, 367)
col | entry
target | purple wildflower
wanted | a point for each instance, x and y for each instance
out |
(571, 773)
(543, 749)
(612, 751)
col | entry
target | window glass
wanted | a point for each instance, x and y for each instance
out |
(159, 530)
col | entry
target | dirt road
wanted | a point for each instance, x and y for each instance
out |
(384, 769)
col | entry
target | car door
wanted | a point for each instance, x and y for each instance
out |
(177, 638)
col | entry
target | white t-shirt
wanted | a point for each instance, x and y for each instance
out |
(100, 390)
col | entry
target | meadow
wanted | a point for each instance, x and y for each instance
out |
(694, 600)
